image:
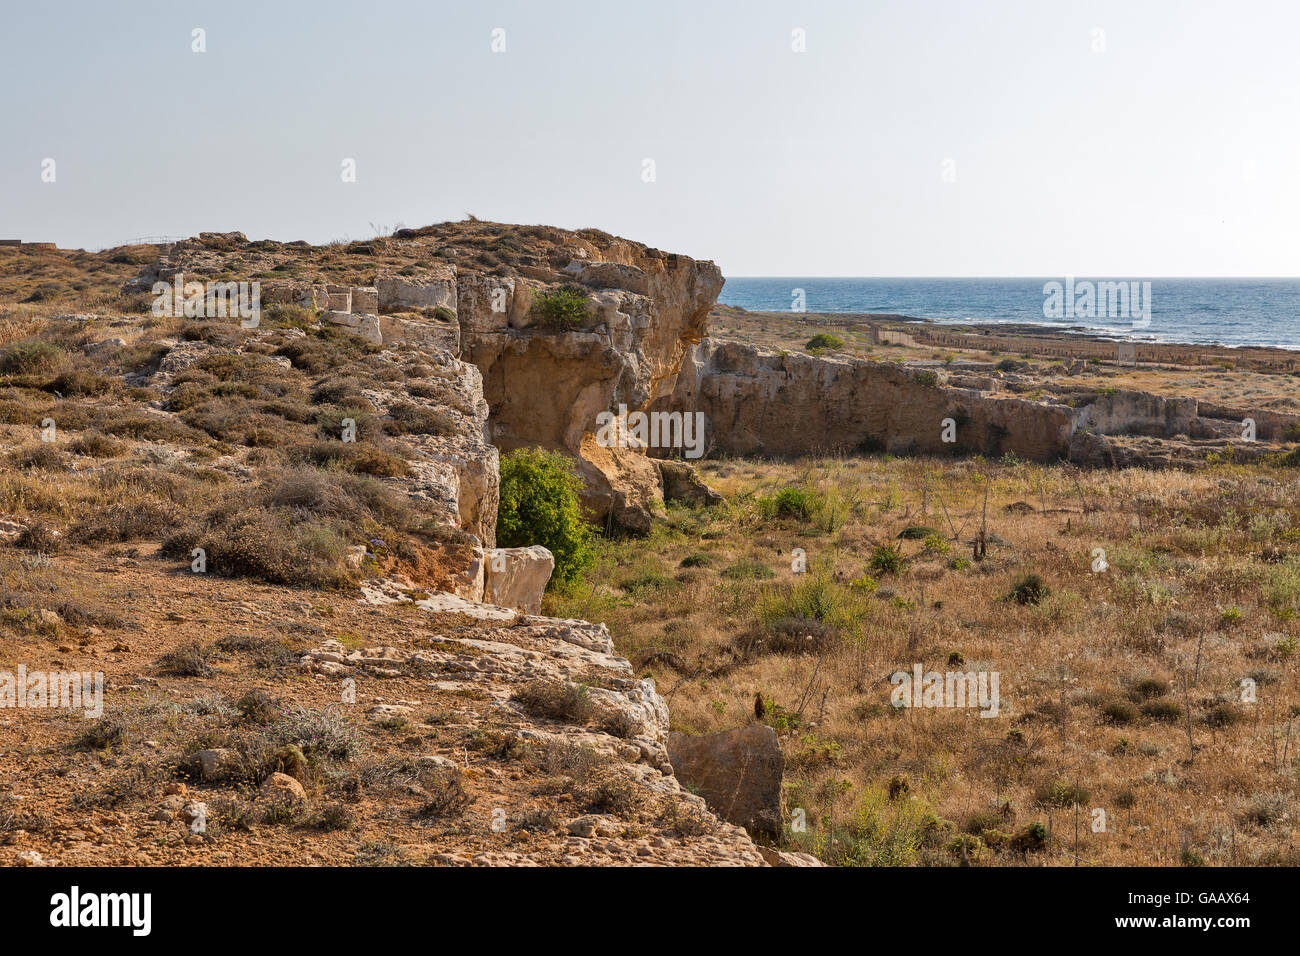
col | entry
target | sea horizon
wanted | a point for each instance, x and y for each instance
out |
(1235, 312)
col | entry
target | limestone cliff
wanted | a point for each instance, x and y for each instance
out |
(471, 287)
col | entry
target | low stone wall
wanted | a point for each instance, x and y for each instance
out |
(1269, 425)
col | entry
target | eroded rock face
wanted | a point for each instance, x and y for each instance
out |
(760, 402)
(681, 483)
(456, 470)
(738, 772)
(1129, 412)
(546, 386)
(517, 577)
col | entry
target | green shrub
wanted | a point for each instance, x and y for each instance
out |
(935, 544)
(823, 341)
(885, 832)
(825, 510)
(1223, 715)
(748, 570)
(539, 505)
(789, 502)
(813, 599)
(1150, 688)
(1029, 840)
(1029, 589)
(1060, 794)
(562, 307)
(886, 560)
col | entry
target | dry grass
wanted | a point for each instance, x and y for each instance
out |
(1203, 579)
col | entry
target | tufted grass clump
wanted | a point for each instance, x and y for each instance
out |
(556, 700)
(809, 613)
(1060, 794)
(822, 509)
(189, 660)
(326, 733)
(562, 308)
(1029, 589)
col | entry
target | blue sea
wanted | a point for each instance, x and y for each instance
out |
(1233, 312)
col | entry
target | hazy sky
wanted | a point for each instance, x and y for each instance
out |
(1176, 151)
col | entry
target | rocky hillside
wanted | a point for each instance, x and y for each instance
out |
(562, 325)
(276, 544)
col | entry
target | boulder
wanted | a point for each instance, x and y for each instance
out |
(221, 764)
(435, 288)
(737, 772)
(622, 486)
(593, 825)
(282, 789)
(682, 484)
(782, 858)
(366, 326)
(517, 577)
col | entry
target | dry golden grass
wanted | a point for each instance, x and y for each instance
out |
(1203, 580)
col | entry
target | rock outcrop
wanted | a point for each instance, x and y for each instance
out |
(737, 772)
(472, 288)
(681, 483)
(499, 663)
(546, 386)
(516, 577)
(758, 401)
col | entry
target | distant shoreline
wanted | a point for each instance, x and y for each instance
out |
(975, 326)
(1225, 313)
(1055, 341)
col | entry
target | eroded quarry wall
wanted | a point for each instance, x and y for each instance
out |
(760, 402)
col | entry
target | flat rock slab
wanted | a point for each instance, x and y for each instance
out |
(737, 772)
